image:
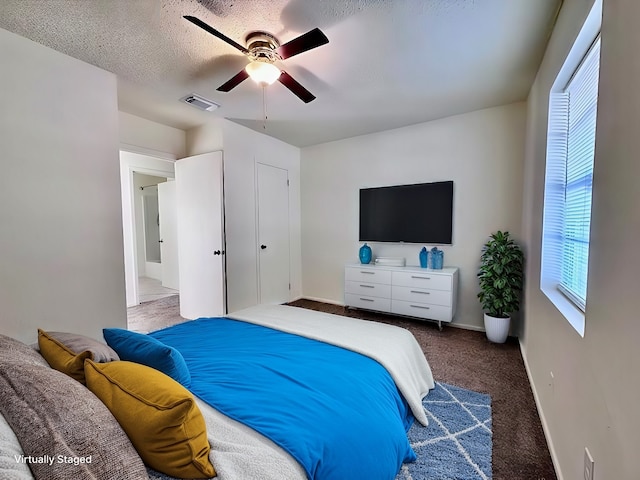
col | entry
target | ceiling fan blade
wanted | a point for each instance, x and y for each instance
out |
(312, 39)
(213, 31)
(234, 81)
(298, 90)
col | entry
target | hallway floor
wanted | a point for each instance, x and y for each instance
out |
(150, 289)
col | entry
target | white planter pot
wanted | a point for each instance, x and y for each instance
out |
(497, 328)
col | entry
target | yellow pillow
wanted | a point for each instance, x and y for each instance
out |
(61, 358)
(158, 414)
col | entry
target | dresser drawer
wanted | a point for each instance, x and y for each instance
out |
(422, 280)
(368, 289)
(370, 303)
(421, 295)
(421, 310)
(367, 275)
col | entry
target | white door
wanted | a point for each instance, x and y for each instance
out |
(273, 233)
(168, 234)
(200, 235)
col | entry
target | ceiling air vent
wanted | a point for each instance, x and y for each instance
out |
(200, 102)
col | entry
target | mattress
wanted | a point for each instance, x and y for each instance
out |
(239, 452)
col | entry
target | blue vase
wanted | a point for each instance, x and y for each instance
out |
(440, 260)
(365, 254)
(424, 257)
(437, 258)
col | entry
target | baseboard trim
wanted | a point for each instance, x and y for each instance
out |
(543, 420)
(465, 326)
(322, 300)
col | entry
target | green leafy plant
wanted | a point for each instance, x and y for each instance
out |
(500, 275)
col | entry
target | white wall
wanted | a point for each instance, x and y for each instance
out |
(594, 399)
(140, 135)
(242, 148)
(482, 152)
(61, 266)
(206, 138)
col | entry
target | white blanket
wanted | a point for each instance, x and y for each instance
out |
(239, 452)
(394, 348)
(10, 449)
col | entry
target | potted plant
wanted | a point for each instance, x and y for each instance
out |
(500, 275)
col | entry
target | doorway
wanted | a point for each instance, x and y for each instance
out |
(145, 249)
(156, 235)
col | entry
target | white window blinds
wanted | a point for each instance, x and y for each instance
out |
(568, 181)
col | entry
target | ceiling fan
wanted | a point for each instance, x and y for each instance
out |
(264, 50)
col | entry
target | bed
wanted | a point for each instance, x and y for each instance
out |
(258, 426)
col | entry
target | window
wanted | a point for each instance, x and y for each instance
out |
(568, 186)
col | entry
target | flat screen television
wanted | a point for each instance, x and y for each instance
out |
(418, 213)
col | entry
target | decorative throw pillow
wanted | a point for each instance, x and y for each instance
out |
(140, 348)
(14, 351)
(62, 358)
(100, 352)
(57, 419)
(159, 415)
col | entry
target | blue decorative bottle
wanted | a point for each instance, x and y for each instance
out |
(424, 257)
(437, 258)
(365, 254)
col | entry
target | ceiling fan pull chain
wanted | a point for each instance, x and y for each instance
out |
(264, 107)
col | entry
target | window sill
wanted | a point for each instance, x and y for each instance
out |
(567, 308)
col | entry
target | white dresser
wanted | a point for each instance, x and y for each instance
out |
(408, 291)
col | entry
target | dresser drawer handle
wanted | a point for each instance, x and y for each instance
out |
(420, 306)
(366, 299)
(367, 272)
(420, 292)
(422, 278)
(367, 286)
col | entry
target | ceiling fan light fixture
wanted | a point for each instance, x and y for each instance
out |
(263, 73)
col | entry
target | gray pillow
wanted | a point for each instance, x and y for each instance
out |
(79, 343)
(14, 351)
(53, 415)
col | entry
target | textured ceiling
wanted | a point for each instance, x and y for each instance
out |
(388, 63)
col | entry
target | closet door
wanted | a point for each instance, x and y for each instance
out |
(273, 233)
(199, 200)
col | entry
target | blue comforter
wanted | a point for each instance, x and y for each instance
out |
(337, 412)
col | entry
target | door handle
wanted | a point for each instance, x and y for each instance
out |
(262, 247)
(216, 252)
(160, 241)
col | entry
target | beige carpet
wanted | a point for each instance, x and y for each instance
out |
(154, 315)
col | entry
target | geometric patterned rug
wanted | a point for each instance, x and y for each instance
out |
(457, 443)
